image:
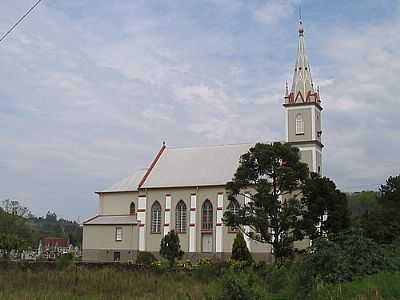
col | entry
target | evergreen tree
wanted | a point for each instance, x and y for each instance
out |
(270, 176)
(240, 252)
(325, 207)
(170, 247)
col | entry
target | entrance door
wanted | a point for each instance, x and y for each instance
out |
(206, 242)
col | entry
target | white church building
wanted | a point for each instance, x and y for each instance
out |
(183, 189)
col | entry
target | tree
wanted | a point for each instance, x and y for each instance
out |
(13, 207)
(170, 247)
(269, 176)
(383, 223)
(240, 252)
(15, 232)
(325, 207)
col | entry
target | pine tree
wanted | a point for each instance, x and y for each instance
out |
(240, 252)
(170, 247)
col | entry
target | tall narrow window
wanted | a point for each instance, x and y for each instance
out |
(118, 234)
(299, 124)
(233, 207)
(180, 217)
(207, 216)
(156, 217)
(132, 209)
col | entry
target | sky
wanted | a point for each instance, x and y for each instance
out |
(89, 90)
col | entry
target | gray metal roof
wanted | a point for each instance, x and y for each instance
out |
(197, 166)
(128, 184)
(112, 220)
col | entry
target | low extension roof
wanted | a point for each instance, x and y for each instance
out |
(128, 184)
(112, 220)
(197, 166)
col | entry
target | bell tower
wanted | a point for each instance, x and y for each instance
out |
(303, 111)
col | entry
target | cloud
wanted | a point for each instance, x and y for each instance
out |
(273, 11)
(90, 92)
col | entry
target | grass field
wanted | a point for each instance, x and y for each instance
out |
(116, 283)
(104, 283)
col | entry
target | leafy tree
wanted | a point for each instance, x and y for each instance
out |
(13, 207)
(362, 202)
(240, 252)
(325, 207)
(270, 175)
(383, 223)
(170, 247)
(15, 232)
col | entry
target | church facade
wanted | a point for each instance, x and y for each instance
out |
(183, 189)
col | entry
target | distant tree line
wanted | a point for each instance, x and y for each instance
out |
(20, 230)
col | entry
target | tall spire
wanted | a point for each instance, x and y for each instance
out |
(302, 86)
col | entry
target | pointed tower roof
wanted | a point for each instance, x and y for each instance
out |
(302, 86)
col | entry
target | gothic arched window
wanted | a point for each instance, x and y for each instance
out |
(132, 209)
(156, 217)
(180, 217)
(299, 124)
(207, 216)
(233, 207)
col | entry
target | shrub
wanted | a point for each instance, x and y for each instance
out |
(170, 247)
(347, 256)
(145, 258)
(240, 252)
(65, 260)
(241, 286)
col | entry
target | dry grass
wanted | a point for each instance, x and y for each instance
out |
(104, 283)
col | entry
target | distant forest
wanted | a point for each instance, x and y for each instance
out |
(19, 224)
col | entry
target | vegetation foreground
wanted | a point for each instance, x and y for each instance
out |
(209, 281)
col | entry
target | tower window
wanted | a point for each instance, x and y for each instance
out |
(299, 124)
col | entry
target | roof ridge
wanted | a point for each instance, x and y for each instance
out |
(209, 146)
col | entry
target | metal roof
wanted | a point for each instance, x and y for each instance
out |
(112, 220)
(197, 166)
(128, 184)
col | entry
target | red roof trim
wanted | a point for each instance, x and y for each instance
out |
(151, 166)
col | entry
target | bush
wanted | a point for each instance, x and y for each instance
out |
(240, 252)
(145, 258)
(170, 247)
(65, 260)
(241, 286)
(345, 257)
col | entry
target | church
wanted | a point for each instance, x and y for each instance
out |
(183, 189)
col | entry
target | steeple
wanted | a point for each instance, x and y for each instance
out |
(302, 90)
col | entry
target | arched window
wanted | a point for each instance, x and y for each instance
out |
(207, 216)
(156, 217)
(233, 207)
(299, 124)
(132, 209)
(180, 217)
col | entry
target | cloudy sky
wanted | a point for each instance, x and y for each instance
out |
(90, 89)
